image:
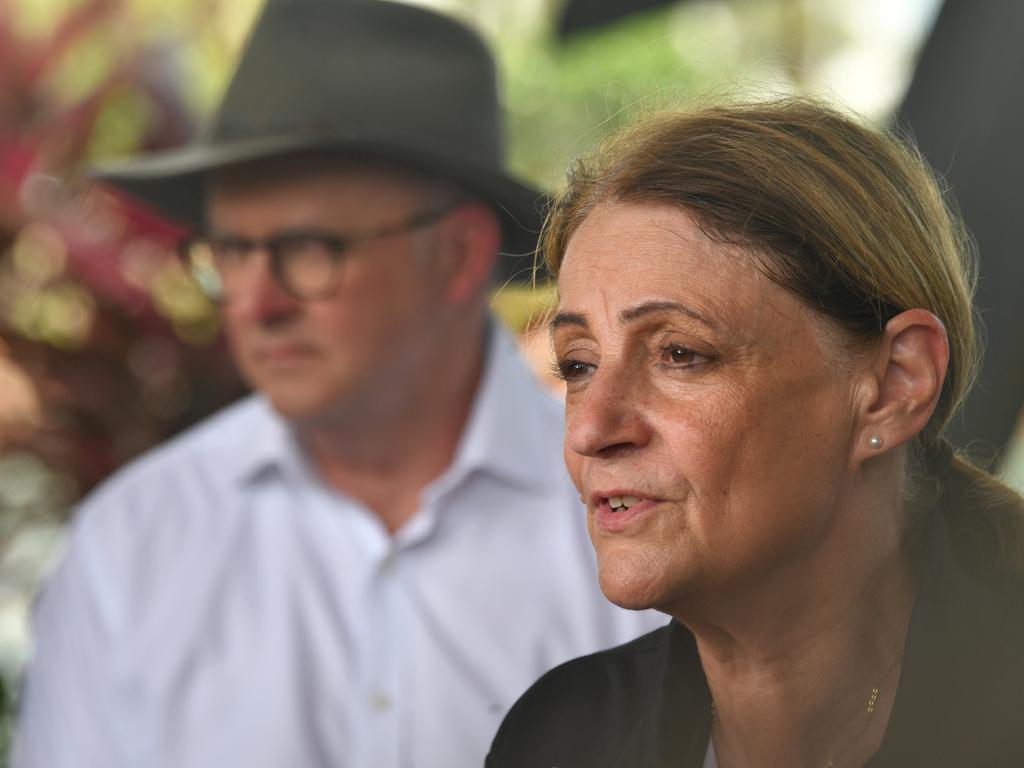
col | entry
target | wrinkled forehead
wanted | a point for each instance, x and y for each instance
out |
(622, 236)
(632, 251)
(656, 254)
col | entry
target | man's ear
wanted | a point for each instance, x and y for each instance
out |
(904, 383)
(471, 242)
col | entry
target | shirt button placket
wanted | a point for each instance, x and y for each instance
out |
(381, 692)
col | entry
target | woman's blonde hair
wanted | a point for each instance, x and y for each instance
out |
(847, 218)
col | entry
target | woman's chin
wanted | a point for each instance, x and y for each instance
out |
(631, 583)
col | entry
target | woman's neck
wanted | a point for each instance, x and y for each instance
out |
(803, 669)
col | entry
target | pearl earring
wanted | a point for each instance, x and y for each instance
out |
(875, 441)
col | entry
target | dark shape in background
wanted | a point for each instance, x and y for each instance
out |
(582, 15)
(966, 108)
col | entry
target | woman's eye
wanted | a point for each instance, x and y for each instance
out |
(571, 370)
(679, 356)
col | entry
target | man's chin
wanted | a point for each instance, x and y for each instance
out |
(316, 408)
(295, 407)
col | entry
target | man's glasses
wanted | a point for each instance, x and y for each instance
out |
(308, 264)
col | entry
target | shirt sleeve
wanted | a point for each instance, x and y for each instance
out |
(66, 718)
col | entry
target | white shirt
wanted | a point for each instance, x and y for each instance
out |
(219, 606)
(711, 757)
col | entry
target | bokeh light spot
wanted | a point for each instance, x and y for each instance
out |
(40, 254)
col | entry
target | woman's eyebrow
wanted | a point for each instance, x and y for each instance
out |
(629, 315)
(567, 318)
(651, 307)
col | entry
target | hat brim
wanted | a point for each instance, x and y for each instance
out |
(171, 182)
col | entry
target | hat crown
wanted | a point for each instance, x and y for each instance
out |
(372, 78)
(365, 72)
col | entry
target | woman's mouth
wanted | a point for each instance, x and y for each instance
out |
(617, 512)
(622, 502)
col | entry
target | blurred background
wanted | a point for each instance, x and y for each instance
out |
(107, 347)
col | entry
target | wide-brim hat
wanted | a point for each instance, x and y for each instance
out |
(370, 78)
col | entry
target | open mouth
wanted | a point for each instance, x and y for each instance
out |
(619, 503)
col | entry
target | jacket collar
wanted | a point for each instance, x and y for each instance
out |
(959, 695)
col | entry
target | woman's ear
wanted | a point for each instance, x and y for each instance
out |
(907, 377)
(472, 240)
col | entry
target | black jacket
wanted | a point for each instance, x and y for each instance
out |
(960, 700)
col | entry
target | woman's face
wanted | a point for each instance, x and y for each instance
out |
(709, 413)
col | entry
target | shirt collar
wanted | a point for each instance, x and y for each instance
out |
(509, 422)
(267, 444)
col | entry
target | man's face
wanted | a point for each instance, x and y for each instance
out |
(367, 341)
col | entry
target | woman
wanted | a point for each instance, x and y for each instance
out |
(764, 325)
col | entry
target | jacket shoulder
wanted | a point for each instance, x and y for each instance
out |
(580, 712)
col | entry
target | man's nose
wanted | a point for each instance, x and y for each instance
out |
(608, 416)
(256, 292)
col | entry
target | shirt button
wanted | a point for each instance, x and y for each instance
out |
(388, 564)
(380, 702)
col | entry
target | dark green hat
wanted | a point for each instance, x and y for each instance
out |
(367, 77)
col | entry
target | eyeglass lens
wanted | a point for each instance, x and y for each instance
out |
(306, 265)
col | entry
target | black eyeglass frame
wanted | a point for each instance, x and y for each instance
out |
(336, 246)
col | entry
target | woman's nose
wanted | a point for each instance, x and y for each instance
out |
(607, 416)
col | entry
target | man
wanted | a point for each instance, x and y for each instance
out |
(365, 563)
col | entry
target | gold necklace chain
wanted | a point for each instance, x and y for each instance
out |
(869, 710)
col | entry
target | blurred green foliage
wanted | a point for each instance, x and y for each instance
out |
(564, 96)
(561, 98)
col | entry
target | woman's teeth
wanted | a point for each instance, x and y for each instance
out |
(622, 502)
